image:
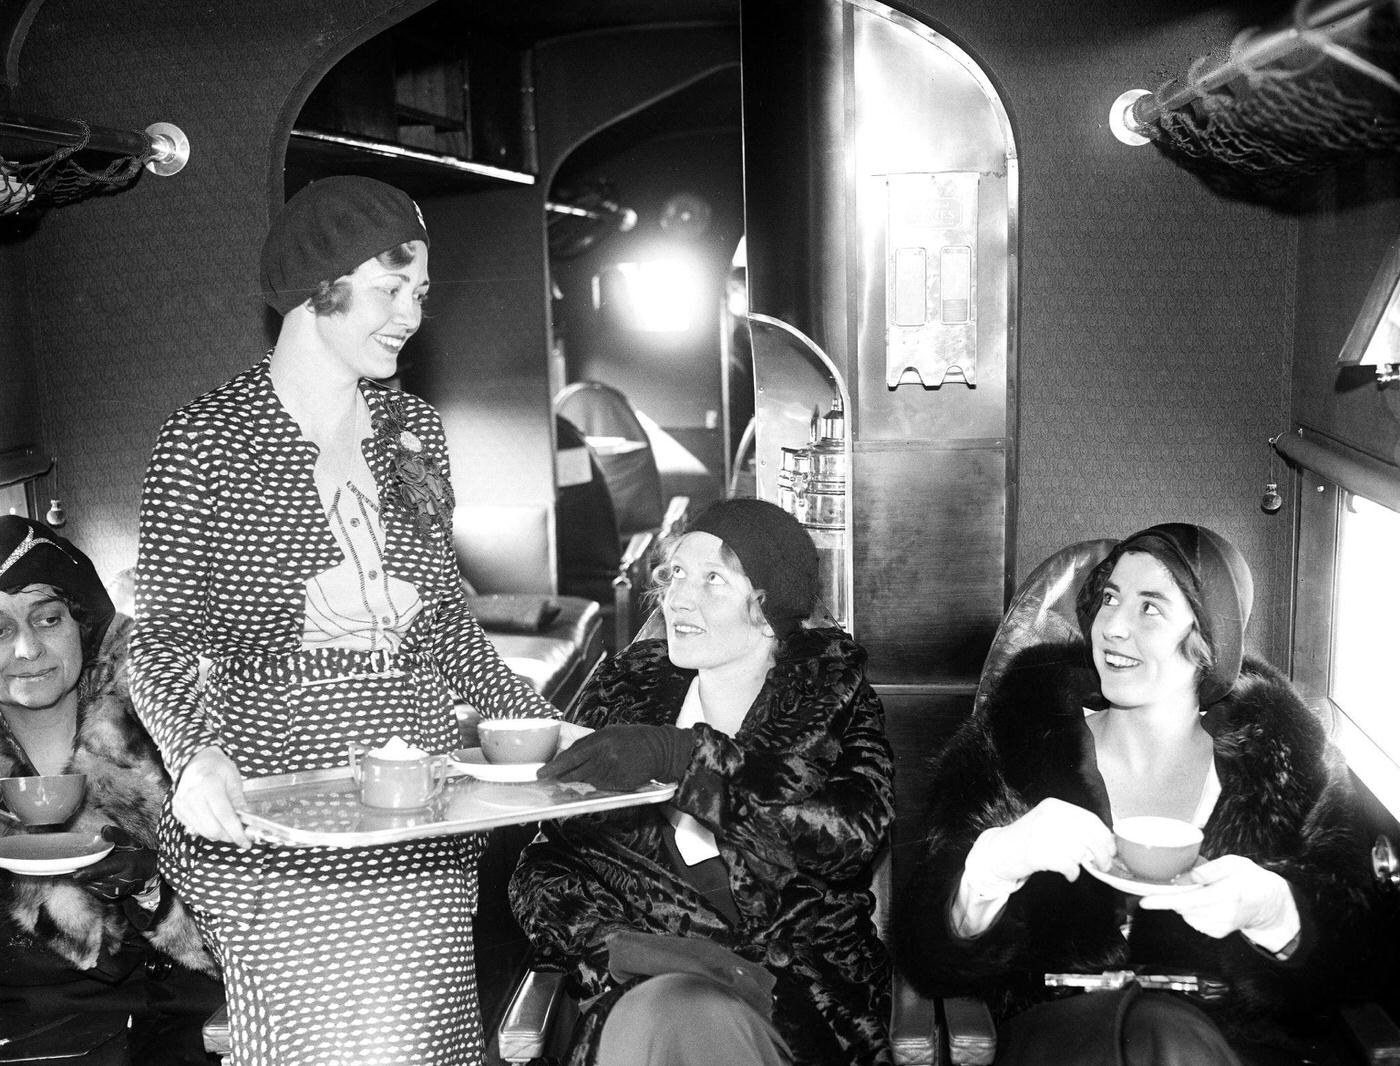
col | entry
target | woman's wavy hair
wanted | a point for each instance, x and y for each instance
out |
(333, 297)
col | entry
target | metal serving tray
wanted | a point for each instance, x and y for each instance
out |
(321, 808)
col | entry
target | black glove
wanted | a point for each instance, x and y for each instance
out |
(624, 757)
(128, 869)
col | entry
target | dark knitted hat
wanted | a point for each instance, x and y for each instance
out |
(328, 229)
(33, 554)
(1217, 584)
(777, 554)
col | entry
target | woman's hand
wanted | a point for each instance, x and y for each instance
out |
(1236, 895)
(1053, 835)
(209, 796)
(127, 870)
(623, 757)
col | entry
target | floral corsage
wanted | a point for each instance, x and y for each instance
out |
(419, 484)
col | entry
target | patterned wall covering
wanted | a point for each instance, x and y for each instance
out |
(19, 414)
(1155, 317)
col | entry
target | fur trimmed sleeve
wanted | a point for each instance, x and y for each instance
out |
(1288, 803)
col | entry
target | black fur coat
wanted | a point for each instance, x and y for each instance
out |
(126, 786)
(1285, 802)
(800, 801)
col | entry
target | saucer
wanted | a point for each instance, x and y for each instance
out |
(49, 854)
(472, 763)
(1123, 879)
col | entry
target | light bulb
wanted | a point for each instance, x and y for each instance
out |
(1271, 501)
(56, 517)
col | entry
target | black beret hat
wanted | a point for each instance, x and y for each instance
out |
(33, 554)
(328, 229)
(776, 552)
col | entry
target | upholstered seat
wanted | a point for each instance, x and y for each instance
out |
(556, 657)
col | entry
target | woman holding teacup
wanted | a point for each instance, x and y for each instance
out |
(110, 937)
(1168, 719)
(296, 537)
(735, 923)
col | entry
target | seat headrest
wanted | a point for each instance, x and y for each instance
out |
(1042, 611)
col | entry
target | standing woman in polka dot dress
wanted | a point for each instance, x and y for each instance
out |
(296, 538)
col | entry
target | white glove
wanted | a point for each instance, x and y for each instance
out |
(1236, 895)
(1053, 835)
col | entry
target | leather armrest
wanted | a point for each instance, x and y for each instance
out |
(914, 1034)
(1371, 1032)
(972, 1034)
(216, 1040)
(532, 1009)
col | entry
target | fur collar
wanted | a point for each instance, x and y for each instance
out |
(1270, 750)
(126, 786)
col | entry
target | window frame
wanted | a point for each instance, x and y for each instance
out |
(1319, 509)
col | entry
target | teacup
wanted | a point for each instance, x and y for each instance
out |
(396, 776)
(518, 740)
(45, 800)
(1156, 849)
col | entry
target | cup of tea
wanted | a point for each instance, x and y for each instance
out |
(1156, 849)
(48, 799)
(518, 740)
(397, 776)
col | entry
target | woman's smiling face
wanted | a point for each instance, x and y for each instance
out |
(1137, 635)
(41, 649)
(710, 618)
(384, 309)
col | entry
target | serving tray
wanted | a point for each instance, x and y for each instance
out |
(321, 808)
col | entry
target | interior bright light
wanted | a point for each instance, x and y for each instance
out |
(656, 295)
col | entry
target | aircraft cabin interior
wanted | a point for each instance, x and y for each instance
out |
(956, 284)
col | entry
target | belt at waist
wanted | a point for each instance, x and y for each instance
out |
(315, 666)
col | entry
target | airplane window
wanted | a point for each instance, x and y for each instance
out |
(1364, 626)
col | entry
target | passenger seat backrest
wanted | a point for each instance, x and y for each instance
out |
(609, 422)
(1042, 611)
(586, 531)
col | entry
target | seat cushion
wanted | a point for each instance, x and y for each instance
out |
(557, 658)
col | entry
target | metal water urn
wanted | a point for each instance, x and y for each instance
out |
(824, 492)
(812, 488)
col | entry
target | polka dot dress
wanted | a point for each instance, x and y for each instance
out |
(331, 956)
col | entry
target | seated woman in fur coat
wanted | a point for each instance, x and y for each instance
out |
(108, 939)
(735, 924)
(1165, 718)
